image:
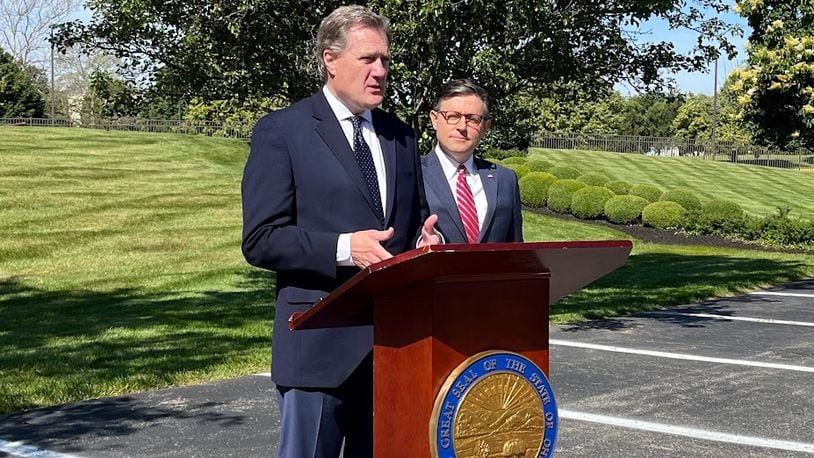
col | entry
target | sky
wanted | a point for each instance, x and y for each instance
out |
(699, 82)
(695, 82)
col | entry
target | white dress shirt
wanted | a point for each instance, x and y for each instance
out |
(450, 169)
(344, 115)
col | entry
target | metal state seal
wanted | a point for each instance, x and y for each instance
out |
(496, 404)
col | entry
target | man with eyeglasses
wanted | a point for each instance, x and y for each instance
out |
(476, 201)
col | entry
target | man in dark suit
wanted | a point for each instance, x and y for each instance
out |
(332, 185)
(476, 201)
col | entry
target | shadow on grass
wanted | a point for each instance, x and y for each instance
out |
(651, 281)
(59, 346)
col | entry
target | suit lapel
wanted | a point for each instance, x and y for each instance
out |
(331, 132)
(488, 177)
(434, 175)
(389, 152)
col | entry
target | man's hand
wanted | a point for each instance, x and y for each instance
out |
(366, 247)
(428, 234)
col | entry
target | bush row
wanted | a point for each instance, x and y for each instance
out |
(565, 189)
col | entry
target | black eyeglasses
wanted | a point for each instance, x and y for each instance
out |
(454, 117)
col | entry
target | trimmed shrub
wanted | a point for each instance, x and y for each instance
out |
(682, 197)
(514, 160)
(625, 209)
(519, 169)
(619, 187)
(534, 188)
(589, 202)
(775, 230)
(648, 191)
(720, 217)
(664, 215)
(537, 164)
(593, 179)
(719, 211)
(560, 193)
(565, 172)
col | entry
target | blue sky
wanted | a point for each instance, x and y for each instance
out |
(699, 82)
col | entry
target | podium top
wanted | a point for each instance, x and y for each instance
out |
(570, 266)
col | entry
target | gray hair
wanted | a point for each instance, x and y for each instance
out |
(333, 31)
(461, 87)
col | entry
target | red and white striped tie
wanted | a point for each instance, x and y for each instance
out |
(466, 206)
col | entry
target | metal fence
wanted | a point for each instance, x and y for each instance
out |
(209, 128)
(800, 159)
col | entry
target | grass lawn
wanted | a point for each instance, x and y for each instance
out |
(120, 267)
(759, 190)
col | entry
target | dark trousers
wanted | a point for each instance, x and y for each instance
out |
(315, 421)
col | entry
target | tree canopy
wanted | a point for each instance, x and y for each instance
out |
(246, 50)
(21, 89)
(775, 88)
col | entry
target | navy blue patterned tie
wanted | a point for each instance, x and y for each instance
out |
(365, 161)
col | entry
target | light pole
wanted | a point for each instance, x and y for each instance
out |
(52, 74)
(715, 103)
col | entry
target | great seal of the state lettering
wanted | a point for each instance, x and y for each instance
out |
(496, 403)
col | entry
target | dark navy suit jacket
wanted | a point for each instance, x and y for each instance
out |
(504, 220)
(302, 188)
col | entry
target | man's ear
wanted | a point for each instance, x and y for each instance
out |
(487, 125)
(434, 119)
(330, 61)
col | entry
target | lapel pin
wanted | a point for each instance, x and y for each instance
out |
(490, 176)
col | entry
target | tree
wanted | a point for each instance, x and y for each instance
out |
(111, 97)
(581, 112)
(26, 25)
(650, 114)
(694, 117)
(775, 88)
(21, 89)
(255, 49)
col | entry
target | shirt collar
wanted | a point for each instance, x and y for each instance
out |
(450, 165)
(342, 112)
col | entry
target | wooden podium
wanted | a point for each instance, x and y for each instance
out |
(434, 307)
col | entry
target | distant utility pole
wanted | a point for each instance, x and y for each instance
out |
(52, 74)
(715, 102)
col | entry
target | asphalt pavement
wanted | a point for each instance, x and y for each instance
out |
(727, 377)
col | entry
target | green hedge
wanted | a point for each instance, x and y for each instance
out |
(594, 179)
(589, 202)
(647, 191)
(720, 211)
(780, 231)
(619, 187)
(625, 209)
(664, 215)
(519, 169)
(721, 217)
(534, 188)
(537, 164)
(514, 160)
(560, 193)
(683, 197)
(565, 172)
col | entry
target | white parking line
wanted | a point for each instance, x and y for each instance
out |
(21, 450)
(773, 293)
(732, 318)
(663, 354)
(688, 432)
